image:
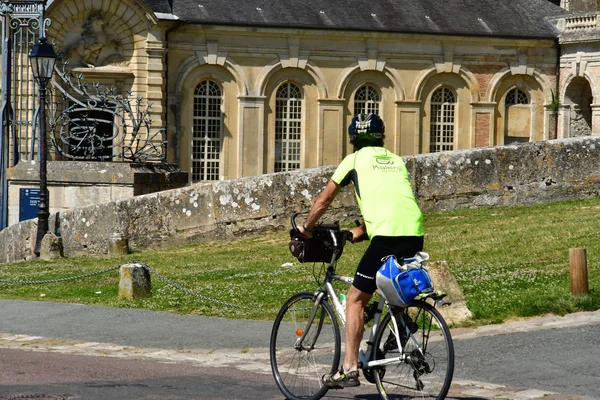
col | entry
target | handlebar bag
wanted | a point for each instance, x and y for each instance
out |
(400, 284)
(320, 248)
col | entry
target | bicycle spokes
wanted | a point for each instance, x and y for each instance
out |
(423, 365)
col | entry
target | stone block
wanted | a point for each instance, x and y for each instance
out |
(118, 244)
(51, 247)
(443, 279)
(134, 282)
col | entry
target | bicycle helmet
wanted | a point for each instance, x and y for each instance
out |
(365, 126)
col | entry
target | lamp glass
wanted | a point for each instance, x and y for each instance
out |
(43, 59)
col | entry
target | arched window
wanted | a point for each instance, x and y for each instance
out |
(443, 103)
(516, 96)
(206, 138)
(288, 127)
(366, 100)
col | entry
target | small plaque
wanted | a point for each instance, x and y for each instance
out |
(29, 203)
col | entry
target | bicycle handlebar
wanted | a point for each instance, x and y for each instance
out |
(347, 234)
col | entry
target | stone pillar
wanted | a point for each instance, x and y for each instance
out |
(564, 122)
(252, 155)
(155, 79)
(595, 119)
(409, 138)
(333, 140)
(134, 281)
(550, 123)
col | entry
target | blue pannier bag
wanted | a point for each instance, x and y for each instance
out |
(401, 283)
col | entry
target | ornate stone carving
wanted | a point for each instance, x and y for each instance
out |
(96, 45)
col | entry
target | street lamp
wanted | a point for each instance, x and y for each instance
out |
(42, 60)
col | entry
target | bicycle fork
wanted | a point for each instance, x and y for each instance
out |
(300, 341)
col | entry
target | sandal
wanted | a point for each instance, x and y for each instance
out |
(345, 380)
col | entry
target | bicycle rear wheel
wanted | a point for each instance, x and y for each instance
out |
(298, 367)
(428, 366)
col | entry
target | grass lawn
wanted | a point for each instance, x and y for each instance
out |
(509, 261)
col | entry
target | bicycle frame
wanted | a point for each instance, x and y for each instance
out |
(396, 355)
(328, 289)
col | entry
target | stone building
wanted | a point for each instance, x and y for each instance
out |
(248, 87)
(253, 87)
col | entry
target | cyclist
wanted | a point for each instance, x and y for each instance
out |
(391, 219)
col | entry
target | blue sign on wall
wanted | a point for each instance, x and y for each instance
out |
(29, 202)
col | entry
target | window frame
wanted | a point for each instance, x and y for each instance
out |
(376, 104)
(517, 94)
(203, 118)
(440, 111)
(289, 127)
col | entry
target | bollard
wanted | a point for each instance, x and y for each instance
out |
(578, 271)
(134, 281)
(443, 279)
(51, 247)
(118, 244)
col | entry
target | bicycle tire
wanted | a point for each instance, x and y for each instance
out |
(298, 371)
(424, 374)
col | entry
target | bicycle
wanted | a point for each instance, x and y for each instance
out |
(409, 352)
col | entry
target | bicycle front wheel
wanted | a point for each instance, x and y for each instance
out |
(426, 361)
(302, 352)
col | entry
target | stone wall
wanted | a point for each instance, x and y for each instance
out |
(73, 184)
(529, 173)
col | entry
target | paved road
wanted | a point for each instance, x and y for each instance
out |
(551, 357)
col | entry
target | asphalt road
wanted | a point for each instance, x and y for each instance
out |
(561, 360)
(65, 376)
(565, 360)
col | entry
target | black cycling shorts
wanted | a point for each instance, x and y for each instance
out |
(381, 246)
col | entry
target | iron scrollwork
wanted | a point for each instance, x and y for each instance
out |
(91, 122)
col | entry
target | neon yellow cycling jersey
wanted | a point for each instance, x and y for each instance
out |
(383, 192)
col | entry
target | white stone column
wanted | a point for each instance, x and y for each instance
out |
(564, 122)
(156, 50)
(252, 155)
(407, 138)
(595, 119)
(333, 141)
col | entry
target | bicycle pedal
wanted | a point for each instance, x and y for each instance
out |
(370, 311)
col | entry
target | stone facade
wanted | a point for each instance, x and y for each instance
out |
(530, 173)
(254, 96)
(127, 48)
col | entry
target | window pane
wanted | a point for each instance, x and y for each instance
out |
(516, 96)
(288, 127)
(366, 100)
(442, 120)
(206, 135)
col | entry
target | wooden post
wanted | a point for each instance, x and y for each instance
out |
(579, 272)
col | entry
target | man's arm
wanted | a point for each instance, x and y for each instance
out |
(359, 232)
(321, 204)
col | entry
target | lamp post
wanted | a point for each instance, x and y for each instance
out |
(42, 60)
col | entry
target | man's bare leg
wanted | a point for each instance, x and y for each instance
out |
(356, 301)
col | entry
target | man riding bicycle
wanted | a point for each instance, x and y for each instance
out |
(391, 219)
